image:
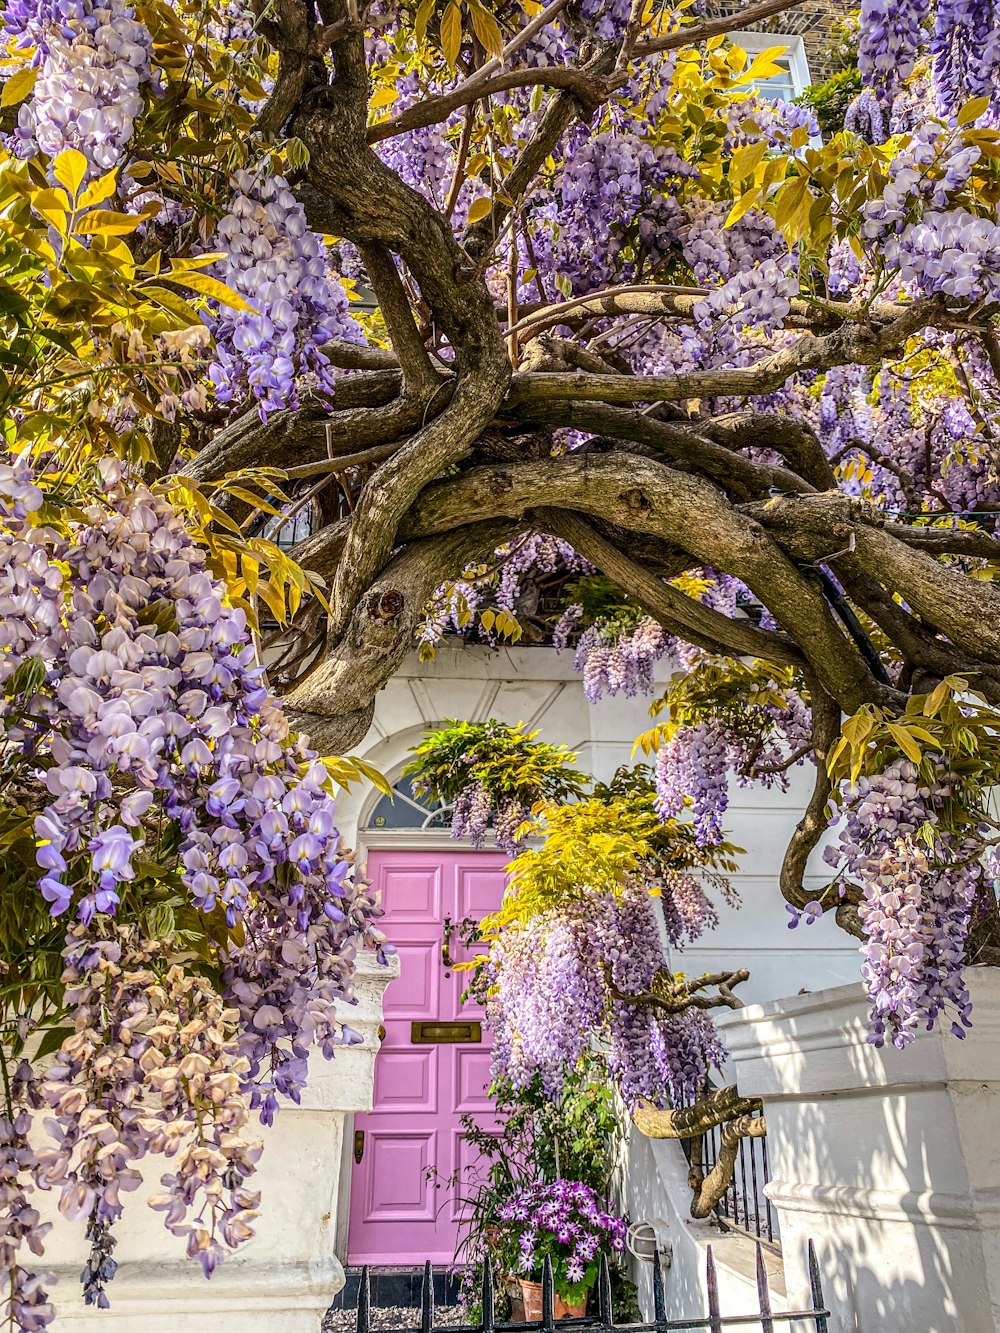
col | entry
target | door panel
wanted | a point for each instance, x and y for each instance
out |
(407, 1191)
(407, 1080)
(416, 993)
(472, 1080)
(396, 1173)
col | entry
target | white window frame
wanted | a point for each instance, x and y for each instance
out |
(795, 53)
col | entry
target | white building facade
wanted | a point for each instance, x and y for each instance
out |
(911, 1241)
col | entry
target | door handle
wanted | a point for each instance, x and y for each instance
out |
(359, 1145)
(446, 943)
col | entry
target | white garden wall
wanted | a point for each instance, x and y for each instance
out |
(889, 1159)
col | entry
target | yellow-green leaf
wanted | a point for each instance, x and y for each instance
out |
(764, 65)
(741, 205)
(212, 287)
(933, 702)
(486, 28)
(481, 207)
(746, 160)
(70, 169)
(451, 33)
(973, 110)
(423, 13)
(18, 86)
(905, 741)
(106, 222)
(99, 190)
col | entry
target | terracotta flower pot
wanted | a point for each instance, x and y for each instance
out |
(517, 1315)
(531, 1293)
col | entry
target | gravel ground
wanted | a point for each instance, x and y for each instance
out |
(387, 1319)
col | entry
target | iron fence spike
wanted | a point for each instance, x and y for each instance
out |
(548, 1296)
(816, 1291)
(659, 1304)
(712, 1285)
(427, 1300)
(364, 1301)
(489, 1306)
(604, 1305)
(763, 1295)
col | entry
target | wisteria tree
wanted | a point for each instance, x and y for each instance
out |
(633, 332)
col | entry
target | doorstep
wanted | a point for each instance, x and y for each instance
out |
(397, 1286)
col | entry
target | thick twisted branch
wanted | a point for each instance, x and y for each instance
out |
(708, 1191)
(687, 1122)
(685, 994)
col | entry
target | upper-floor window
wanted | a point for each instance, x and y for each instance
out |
(794, 77)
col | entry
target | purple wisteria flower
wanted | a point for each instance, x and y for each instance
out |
(132, 695)
(918, 880)
(549, 999)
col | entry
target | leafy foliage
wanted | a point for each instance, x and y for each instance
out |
(595, 845)
(487, 767)
(830, 100)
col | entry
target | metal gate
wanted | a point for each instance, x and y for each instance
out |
(815, 1319)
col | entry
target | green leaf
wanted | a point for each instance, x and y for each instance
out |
(52, 1041)
(173, 302)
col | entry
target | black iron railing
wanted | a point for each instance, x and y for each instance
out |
(744, 1205)
(815, 1318)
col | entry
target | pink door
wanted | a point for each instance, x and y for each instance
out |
(403, 1210)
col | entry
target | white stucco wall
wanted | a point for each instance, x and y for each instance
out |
(887, 1159)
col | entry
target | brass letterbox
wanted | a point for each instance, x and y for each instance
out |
(433, 1033)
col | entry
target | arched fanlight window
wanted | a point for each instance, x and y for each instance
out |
(407, 811)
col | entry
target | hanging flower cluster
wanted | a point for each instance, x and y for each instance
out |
(136, 726)
(549, 994)
(296, 304)
(94, 63)
(919, 879)
(750, 721)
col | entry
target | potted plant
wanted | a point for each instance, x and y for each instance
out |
(564, 1220)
